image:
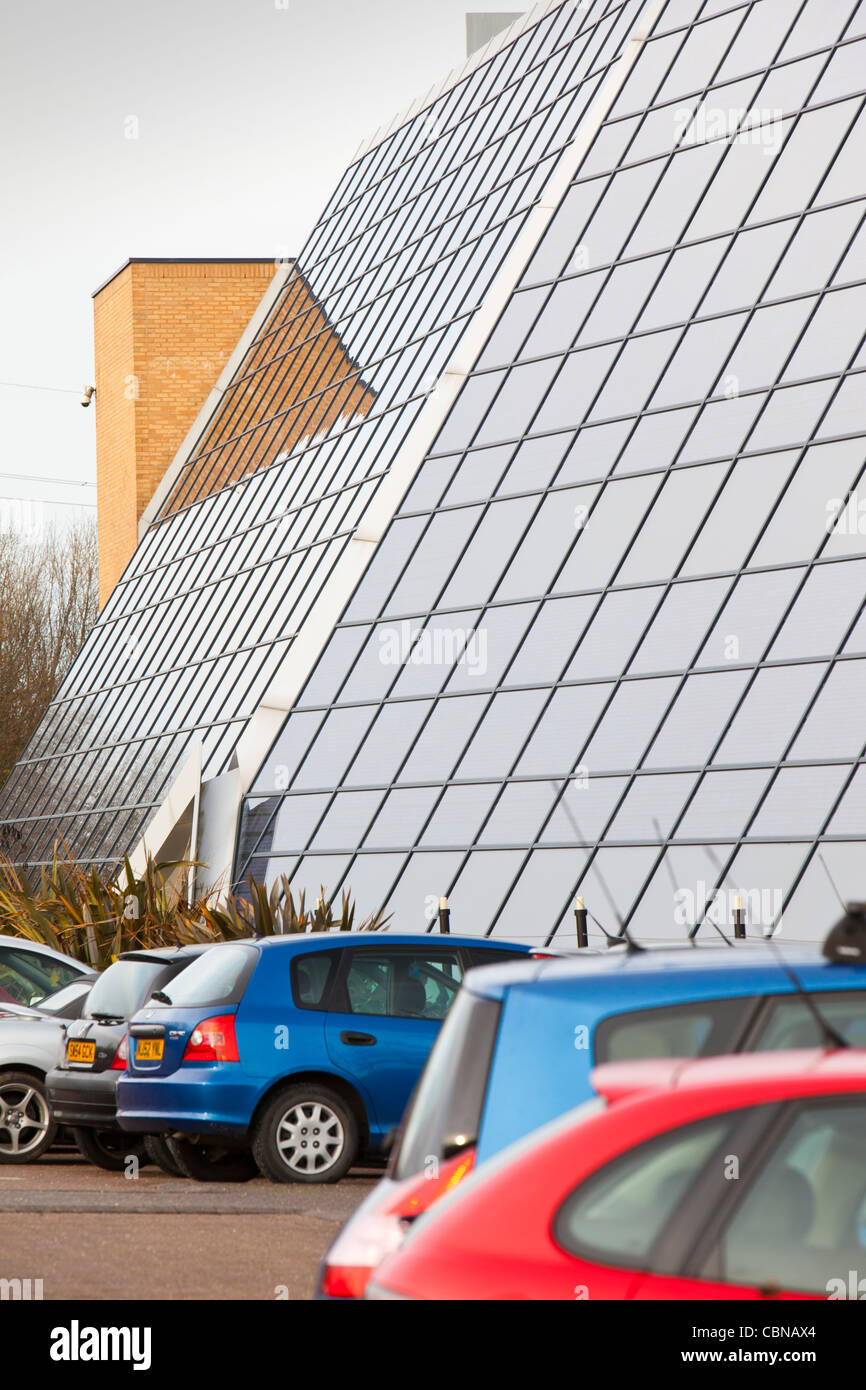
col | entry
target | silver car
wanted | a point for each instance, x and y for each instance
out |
(40, 989)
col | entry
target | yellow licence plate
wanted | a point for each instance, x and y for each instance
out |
(81, 1052)
(148, 1049)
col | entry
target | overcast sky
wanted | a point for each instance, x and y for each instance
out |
(246, 112)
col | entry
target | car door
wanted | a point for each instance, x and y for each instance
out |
(386, 1011)
(796, 1228)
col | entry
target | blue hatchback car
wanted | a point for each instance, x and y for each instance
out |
(519, 1047)
(303, 1049)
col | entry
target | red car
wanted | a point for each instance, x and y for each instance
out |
(729, 1178)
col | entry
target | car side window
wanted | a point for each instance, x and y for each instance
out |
(801, 1224)
(790, 1023)
(26, 976)
(705, 1028)
(403, 984)
(618, 1214)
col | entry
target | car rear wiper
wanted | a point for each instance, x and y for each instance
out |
(161, 996)
(108, 1018)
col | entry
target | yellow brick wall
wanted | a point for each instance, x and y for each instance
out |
(163, 331)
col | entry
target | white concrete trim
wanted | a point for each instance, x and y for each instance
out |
(282, 271)
(265, 724)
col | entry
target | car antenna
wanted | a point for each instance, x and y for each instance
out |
(671, 875)
(716, 863)
(623, 934)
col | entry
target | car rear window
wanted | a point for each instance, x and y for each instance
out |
(445, 1114)
(124, 987)
(702, 1029)
(220, 976)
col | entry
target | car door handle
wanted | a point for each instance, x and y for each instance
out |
(357, 1039)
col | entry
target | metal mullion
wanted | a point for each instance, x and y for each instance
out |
(755, 670)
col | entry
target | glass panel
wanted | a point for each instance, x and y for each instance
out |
(791, 415)
(496, 742)
(459, 815)
(761, 875)
(679, 627)
(629, 724)
(478, 892)
(834, 727)
(443, 738)
(699, 359)
(814, 252)
(682, 502)
(614, 633)
(519, 813)
(635, 374)
(801, 520)
(696, 721)
(414, 900)
(540, 895)
(390, 738)
(828, 604)
(730, 530)
(290, 747)
(815, 904)
(679, 290)
(347, 818)
(723, 803)
(584, 809)
(296, 821)
(564, 312)
(750, 617)
(656, 441)
(488, 552)
(552, 635)
(563, 730)
(747, 267)
(535, 463)
(575, 388)
(546, 544)
(651, 807)
(433, 557)
(618, 512)
(478, 475)
(333, 749)
(802, 163)
(850, 818)
(400, 820)
(765, 723)
(491, 646)
(832, 337)
(799, 802)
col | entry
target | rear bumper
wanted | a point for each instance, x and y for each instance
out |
(198, 1100)
(83, 1099)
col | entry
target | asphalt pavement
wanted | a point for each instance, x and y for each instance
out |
(88, 1234)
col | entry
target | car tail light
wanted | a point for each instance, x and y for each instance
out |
(121, 1056)
(213, 1041)
(357, 1252)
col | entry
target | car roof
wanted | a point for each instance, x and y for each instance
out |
(676, 972)
(168, 954)
(39, 948)
(307, 941)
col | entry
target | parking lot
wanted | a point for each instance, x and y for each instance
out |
(88, 1234)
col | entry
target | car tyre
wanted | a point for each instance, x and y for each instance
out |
(108, 1148)
(27, 1124)
(211, 1163)
(157, 1150)
(306, 1133)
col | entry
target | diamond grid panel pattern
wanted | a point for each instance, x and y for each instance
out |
(614, 641)
(301, 440)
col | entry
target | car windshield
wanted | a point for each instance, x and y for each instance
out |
(27, 977)
(123, 988)
(445, 1115)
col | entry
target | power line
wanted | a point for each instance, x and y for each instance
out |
(51, 502)
(57, 482)
(31, 386)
